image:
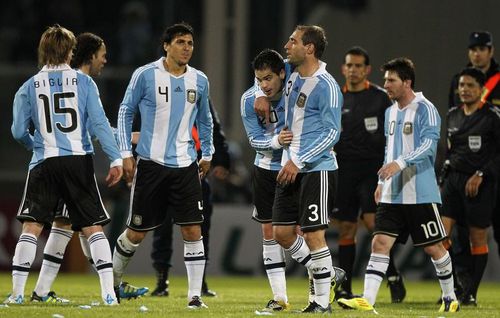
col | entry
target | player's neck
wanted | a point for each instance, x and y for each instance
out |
(406, 99)
(174, 68)
(308, 67)
(469, 109)
(85, 69)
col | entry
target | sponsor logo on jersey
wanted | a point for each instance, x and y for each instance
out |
(407, 128)
(301, 100)
(191, 96)
(137, 219)
(475, 143)
(178, 89)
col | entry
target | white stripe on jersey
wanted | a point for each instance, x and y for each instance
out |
(161, 118)
(49, 139)
(408, 174)
(393, 116)
(75, 136)
(183, 137)
(323, 206)
(442, 230)
(139, 71)
(20, 210)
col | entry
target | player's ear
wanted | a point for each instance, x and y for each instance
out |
(282, 74)
(368, 69)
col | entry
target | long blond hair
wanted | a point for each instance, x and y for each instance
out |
(55, 46)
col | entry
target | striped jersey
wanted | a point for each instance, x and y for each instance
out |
(169, 107)
(313, 113)
(262, 136)
(63, 105)
(412, 134)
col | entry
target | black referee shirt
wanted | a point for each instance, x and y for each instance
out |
(474, 140)
(362, 136)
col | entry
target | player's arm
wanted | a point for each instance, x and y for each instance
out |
(330, 102)
(205, 126)
(22, 117)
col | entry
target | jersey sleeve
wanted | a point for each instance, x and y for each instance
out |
(204, 123)
(330, 102)
(430, 124)
(127, 111)
(99, 125)
(22, 117)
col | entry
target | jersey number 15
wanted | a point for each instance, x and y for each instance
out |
(59, 110)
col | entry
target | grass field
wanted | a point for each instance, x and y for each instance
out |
(237, 297)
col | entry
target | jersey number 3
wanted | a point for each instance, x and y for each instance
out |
(59, 110)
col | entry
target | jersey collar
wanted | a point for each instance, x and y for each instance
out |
(53, 68)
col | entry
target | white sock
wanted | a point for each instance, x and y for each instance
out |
(321, 267)
(84, 243)
(300, 252)
(53, 254)
(124, 250)
(101, 254)
(274, 262)
(194, 259)
(375, 272)
(444, 271)
(21, 263)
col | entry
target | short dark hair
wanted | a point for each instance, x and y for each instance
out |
(268, 59)
(87, 44)
(315, 35)
(358, 50)
(176, 30)
(477, 74)
(403, 66)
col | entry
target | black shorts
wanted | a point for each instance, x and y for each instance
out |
(67, 178)
(157, 188)
(358, 182)
(467, 211)
(263, 190)
(421, 221)
(307, 201)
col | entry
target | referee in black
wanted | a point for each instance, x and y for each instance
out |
(360, 153)
(470, 187)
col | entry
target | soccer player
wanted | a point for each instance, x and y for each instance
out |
(360, 153)
(407, 192)
(307, 179)
(89, 57)
(63, 105)
(473, 156)
(268, 142)
(170, 96)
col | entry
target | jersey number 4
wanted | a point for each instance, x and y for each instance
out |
(59, 110)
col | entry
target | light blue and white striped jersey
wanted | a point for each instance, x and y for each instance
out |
(63, 105)
(313, 111)
(169, 106)
(263, 136)
(412, 134)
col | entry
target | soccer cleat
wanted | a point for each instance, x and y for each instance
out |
(127, 291)
(449, 305)
(110, 300)
(397, 288)
(50, 298)
(316, 308)
(196, 303)
(340, 293)
(161, 289)
(276, 305)
(208, 293)
(14, 300)
(357, 303)
(338, 278)
(468, 300)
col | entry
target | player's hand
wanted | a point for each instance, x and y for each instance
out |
(114, 175)
(128, 169)
(472, 185)
(378, 193)
(203, 167)
(285, 137)
(220, 172)
(262, 107)
(288, 173)
(388, 170)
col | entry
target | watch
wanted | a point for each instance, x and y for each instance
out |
(479, 173)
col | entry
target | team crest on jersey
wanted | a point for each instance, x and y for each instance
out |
(475, 143)
(371, 124)
(137, 219)
(407, 128)
(191, 95)
(301, 100)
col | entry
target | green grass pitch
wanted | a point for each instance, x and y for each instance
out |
(237, 297)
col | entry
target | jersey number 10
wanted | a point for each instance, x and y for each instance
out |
(59, 110)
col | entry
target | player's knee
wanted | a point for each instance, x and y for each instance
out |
(381, 245)
(191, 232)
(62, 223)
(32, 228)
